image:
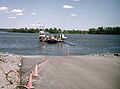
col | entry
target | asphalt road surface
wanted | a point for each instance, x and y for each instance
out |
(74, 72)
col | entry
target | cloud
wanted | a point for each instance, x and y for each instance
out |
(38, 24)
(3, 8)
(32, 24)
(35, 10)
(17, 10)
(68, 7)
(19, 14)
(33, 13)
(12, 17)
(74, 15)
(76, 0)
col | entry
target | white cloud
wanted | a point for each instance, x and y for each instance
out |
(17, 10)
(3, 8)
(76, 0)
(12, 17)
(68, 6)
(33, 13)
(38, 24)
(19, 14)
(32, 24)
(35, 10)
(74, 15)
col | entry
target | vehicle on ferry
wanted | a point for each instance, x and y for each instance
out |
(51, 38)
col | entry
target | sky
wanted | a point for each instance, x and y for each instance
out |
(64, 14)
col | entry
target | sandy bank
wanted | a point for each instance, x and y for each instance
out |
(74, 72)
(9, 68)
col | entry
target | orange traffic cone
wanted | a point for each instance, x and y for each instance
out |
(35, 72)
(33, 77)
(29, 84)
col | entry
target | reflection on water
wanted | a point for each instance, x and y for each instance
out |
(54, 49)
(76, 44)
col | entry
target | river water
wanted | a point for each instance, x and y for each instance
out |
(76, 44)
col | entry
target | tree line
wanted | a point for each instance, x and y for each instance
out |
(23, 30)
(99, 30)
(104, 30)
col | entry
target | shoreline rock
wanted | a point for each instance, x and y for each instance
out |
(9, 66)
(106, 54)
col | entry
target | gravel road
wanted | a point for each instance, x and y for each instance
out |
(75, 72)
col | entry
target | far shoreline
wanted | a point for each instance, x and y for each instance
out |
(99, 30)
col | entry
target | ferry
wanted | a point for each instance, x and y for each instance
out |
(43, 37)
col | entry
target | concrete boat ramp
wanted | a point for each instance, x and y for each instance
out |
(74, 72)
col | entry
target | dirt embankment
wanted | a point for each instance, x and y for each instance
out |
(9, 70)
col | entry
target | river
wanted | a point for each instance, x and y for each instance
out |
(76, 44)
